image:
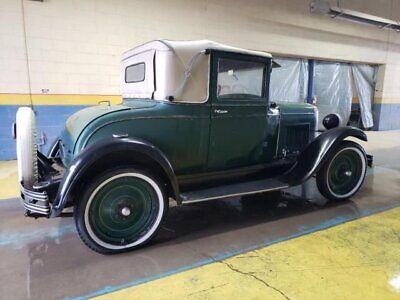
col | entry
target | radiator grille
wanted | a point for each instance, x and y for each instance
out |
(295, 137)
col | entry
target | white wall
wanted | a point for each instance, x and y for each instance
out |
(74, 46)
(13, 63)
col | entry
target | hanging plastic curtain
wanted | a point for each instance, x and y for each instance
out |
(289, 81)
(364, 81)
(332, 89)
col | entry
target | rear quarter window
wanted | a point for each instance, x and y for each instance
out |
(135, 73)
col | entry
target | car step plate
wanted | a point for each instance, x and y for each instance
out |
(232, 190)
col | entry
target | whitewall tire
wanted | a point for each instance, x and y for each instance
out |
(26, 146)
(343, 174)
(120, 210)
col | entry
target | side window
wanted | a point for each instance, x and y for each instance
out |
(135, 73)
(240, 79)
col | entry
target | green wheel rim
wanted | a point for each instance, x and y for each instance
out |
(345, 172)
(123, 210)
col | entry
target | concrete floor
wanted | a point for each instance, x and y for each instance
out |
(342, 262)
(46, 259)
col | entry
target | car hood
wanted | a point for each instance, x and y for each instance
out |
(295, 108)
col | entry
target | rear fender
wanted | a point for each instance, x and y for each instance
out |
(102, 155)
(317, 152)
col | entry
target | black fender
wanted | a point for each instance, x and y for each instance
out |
(317, 152)
(99, 153)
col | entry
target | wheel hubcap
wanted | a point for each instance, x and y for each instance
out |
(123, 210)
(345, 172)
(348, 173)
(126, 211)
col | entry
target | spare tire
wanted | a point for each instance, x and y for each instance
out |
(26, 146)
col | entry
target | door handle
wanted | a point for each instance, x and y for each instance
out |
(220, 111)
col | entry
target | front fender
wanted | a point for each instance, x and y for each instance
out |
(95, 154)
(317, 152)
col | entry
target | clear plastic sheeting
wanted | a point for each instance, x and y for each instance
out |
(289, 82)
(332, 89)
(364, 82)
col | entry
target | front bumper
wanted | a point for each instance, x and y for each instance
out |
(36, 203)
(37, 200)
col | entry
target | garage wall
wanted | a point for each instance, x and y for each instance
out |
(63, 55)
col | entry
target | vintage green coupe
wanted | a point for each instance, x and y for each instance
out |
(195, 125)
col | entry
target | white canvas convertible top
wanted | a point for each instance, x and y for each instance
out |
(172, 68)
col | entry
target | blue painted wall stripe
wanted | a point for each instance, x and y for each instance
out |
(50, 119)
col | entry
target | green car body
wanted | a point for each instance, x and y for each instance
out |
(118, 165)
(186, 135)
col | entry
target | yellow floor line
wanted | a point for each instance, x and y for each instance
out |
(355, 260)
(9, 187)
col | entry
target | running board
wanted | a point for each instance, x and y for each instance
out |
(231, 190)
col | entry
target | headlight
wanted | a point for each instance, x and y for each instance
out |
(331, 121)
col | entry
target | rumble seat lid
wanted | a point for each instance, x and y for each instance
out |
(79, 120)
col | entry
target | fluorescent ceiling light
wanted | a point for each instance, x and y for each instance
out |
(324, 8)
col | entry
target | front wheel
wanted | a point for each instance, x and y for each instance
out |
(120, 210)
(343, 174)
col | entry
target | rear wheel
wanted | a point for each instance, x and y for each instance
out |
(343, 174)
(121, 210)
